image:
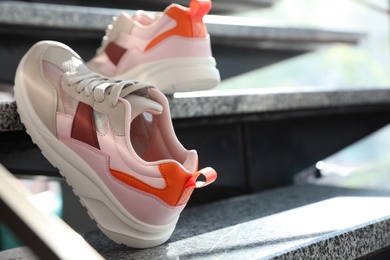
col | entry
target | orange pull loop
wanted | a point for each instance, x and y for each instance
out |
(208, 173)
(210, 176)
(199, 8)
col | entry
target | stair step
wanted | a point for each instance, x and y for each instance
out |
(92, 21)
(294, 222)
(241, 101)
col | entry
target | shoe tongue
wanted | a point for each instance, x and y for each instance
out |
(141, 104)
(123, 23)
(143, 18)
(83, 68)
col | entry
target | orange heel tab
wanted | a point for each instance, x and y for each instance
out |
(208, 173)
(210, 176)
(189, 21)
(199, 8)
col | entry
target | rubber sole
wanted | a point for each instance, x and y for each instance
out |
(177, 74)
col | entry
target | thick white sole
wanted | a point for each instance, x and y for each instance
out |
(177, 74)
(110, 216)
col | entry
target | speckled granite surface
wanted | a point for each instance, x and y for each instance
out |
(229, 102)
(218, 103)
(9, 117)
(295, 222)
(254, 32)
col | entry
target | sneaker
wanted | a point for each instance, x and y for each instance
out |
(112, 140)
(170, 49)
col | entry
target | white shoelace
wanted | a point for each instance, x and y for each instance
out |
(101, 86)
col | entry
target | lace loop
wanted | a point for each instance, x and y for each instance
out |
(101, 86)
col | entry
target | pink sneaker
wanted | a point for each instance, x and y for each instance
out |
(170, 49)
(113, 141)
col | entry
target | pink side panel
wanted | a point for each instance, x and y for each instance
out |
(143, 206)
(148, 32)
(140, 37)
(105, 66)
(167, 131)
(123, 156)
(172, 47)
(124, 161)
(64, 125)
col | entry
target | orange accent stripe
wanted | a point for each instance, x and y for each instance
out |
(188, 21)
(176, 183)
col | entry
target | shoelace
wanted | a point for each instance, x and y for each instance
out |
(100, 86)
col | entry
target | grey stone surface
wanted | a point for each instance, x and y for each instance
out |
(223, 29)
(19, 253)
(9, 117)
(212, 103)
(217, 103)
(296, 222)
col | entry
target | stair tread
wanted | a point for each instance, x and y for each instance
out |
(292, 222)
(230, 102)
(261, 33)
(302, 221)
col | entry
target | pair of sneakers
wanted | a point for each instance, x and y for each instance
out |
(111, 136)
